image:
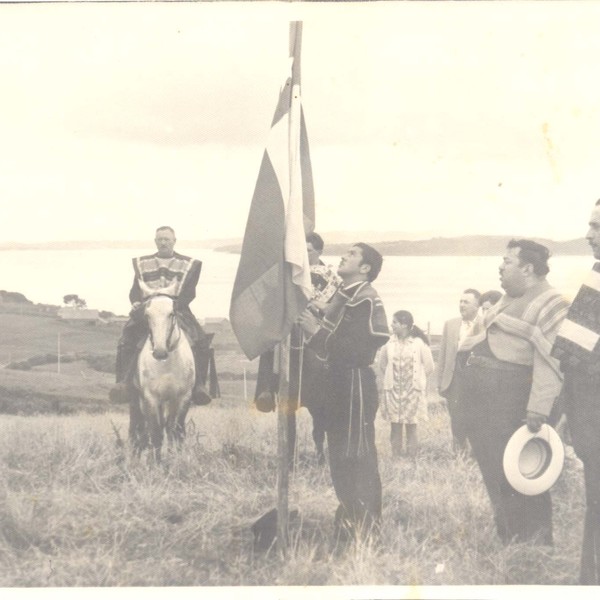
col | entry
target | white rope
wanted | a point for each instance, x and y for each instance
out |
(350, 414)
(361, 436)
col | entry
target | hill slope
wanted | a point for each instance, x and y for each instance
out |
(477, 245)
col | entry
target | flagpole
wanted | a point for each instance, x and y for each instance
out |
(283, 417)
(284, 407)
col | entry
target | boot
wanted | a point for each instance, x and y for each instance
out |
(120, 392)
(200, 395)
(265, 402)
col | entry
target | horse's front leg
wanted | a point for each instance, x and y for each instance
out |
(154, 424)
(176, 422)
(138, 435)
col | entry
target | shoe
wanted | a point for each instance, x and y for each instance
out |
(265, 529)
(265, 402)
(118, 393)
(200, 396)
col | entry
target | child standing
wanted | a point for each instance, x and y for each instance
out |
(404, 364)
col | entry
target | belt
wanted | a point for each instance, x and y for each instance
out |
(489, 362)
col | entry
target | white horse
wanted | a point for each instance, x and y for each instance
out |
(165, 375)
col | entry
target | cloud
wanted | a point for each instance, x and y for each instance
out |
(453, 117)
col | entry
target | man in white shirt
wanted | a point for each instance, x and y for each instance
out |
(455, 332)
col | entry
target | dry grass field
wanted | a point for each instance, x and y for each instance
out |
(77, 510)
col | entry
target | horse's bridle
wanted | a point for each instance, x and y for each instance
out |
(172, 328)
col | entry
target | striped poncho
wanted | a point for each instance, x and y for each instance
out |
(522, 331)
(159, 273)
(578, 339)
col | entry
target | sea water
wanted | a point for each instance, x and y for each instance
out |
(427, 286)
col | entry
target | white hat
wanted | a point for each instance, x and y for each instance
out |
(533, 461)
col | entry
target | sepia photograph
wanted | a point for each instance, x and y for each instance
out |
(299, 298)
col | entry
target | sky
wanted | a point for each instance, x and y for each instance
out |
(448, 117)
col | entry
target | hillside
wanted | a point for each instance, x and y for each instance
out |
(338, 237)
(467, 246)
(32, 382)
(476, 245)
(108, 244)
(391, 243)
(25, 335)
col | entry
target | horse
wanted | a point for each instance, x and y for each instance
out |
(165, 376)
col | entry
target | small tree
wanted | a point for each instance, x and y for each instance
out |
(74, 301)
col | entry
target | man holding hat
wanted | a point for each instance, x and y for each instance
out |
(578, 348)
(510, 378)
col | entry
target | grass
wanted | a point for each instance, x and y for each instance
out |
(77, 510)
(87, 366)
(25, 335)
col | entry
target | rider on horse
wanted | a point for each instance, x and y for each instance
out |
(158, 271)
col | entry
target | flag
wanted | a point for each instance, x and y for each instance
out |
(272, 285)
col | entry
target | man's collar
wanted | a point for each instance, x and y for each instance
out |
(352, 289)
(351, 286)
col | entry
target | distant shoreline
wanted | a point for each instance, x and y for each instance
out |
(455, 246)
(436, 246)
(104, 245)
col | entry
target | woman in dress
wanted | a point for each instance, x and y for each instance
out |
(404, 364)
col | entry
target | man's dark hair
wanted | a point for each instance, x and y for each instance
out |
(532, 253)
(370, 257)
(165, 227)
(316, 240)
(491, 296)
(473, 292)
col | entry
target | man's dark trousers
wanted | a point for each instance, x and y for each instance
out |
(581, 392)
(496, 404)
(349, 423)
(456, 408)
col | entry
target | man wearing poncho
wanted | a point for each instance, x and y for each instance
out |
(164, 269)
(577, 346)
(509, 378)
